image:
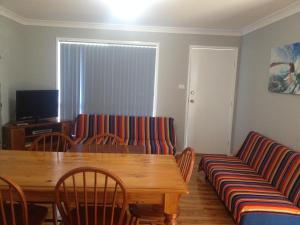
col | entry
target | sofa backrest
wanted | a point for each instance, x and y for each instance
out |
(287, 179)
(249, 147)
(135, 129)
(275, 162)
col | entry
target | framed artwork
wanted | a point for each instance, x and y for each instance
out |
(285, 69)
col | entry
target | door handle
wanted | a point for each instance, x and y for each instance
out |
(192, 101)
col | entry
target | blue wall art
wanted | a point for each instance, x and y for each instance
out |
(285, 69)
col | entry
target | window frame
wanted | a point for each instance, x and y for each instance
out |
(155, 45)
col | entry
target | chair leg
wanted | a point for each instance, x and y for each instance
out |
(136, 221)
(131, 219)
(54, 214)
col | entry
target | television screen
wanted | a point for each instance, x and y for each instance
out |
(36, 104)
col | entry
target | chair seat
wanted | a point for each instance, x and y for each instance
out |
(91, 215)
(147, 212)
(36, 214)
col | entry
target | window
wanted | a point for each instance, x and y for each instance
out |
(106, 78)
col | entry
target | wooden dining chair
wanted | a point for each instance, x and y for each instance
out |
(52, 142)
(95, 143)
(186, 161)
(91, 196)
(154, 214)
(13, 206)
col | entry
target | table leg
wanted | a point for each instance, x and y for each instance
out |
(171, 205)
(171, 219)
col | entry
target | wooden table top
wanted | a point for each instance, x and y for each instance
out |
(131, 149)
(39, 171)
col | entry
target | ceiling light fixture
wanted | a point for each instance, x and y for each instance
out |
(128, 10)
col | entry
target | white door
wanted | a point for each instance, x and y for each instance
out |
(212, 76)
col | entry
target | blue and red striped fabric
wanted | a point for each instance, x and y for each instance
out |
(155, 133)
(261, 185)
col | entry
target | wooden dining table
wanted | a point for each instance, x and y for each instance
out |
(149, 179)
(128, 149)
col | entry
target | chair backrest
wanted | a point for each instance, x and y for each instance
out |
(11, 195)
(91, 196)
(186, 161)
(103, 139)
(52, 142)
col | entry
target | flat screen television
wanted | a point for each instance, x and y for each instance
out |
(36, 104)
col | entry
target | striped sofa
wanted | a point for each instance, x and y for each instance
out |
(260, 185)
(155, 133)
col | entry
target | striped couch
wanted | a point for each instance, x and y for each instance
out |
(260, 185)
(155, 133)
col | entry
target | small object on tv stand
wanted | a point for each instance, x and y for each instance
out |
(22, 124)
(43, 131)
(36, 121)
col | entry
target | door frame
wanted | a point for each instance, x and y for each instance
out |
(233, 94)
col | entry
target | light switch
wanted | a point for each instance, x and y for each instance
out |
(181, 86)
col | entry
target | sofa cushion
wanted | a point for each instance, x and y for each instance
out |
(277, 156)
(235, 170)
(249, 147)
(154, 146)
(261, 153)
(214, 159)
(159, 147)
(242, 175)
(287, 178)
(228, 181)
(216, 166)
(263, 201)
(253, 218)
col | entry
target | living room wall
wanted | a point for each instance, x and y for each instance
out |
(29, 62)
(40, 62)
(274, 115)
(11, 63)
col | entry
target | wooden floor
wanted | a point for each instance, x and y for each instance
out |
(201, 206)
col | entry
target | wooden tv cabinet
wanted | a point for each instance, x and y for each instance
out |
(20, 136)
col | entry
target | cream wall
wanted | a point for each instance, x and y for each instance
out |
(12, 74)
(274, 115)
(40, 62)
(34, 63)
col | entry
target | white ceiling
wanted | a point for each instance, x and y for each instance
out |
(211, 14)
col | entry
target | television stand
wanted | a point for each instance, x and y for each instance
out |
(34, 121)
(19, 136)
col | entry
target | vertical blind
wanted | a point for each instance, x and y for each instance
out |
(106, 78)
